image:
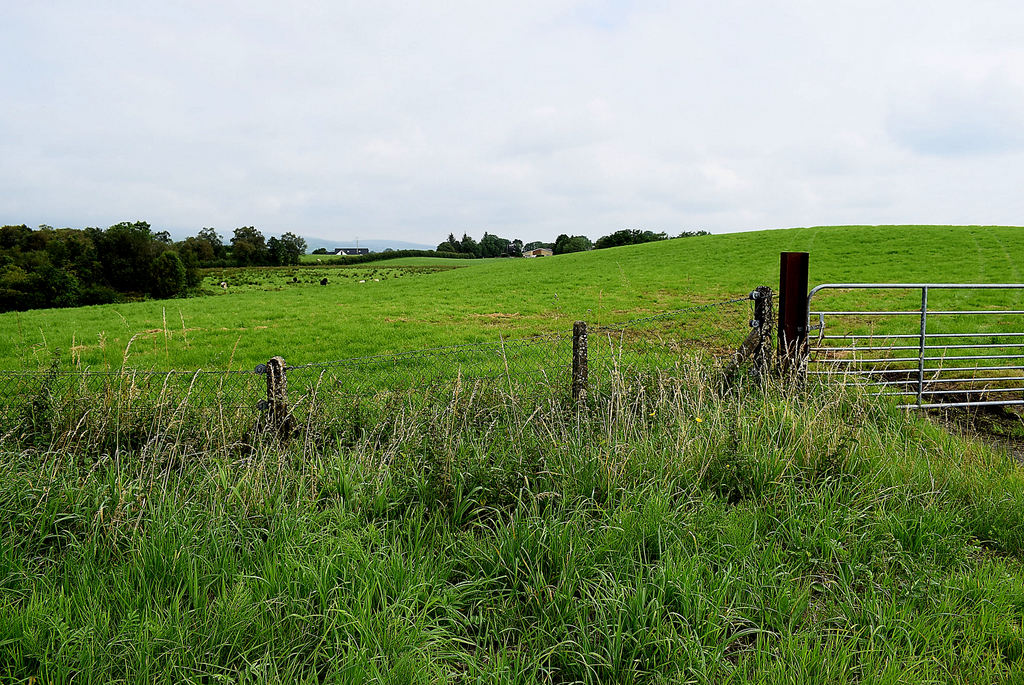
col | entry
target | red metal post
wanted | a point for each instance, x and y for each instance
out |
(792, 308)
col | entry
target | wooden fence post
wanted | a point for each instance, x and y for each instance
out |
(792, 310)
(764, 321)
(277, 398)
(579, 360)
(755, 346)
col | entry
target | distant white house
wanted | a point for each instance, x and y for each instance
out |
(351, 251)
(539, 252)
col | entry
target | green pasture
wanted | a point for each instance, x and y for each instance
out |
(388, 307)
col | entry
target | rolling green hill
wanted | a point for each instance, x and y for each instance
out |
(286, 311)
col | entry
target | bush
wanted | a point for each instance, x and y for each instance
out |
(99, 294)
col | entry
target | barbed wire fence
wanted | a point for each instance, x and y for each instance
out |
(724, 336)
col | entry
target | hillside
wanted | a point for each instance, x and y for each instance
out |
(269, 314)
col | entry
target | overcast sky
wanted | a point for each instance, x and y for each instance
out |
(409, 120)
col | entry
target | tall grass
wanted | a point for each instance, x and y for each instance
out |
(662, 532)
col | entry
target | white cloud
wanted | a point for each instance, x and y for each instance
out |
(961, 119)
(410, 120)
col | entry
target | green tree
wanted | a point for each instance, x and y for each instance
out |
(204, 249)
(628, 237)
(450, 245)
(14, 285)
(565, 244)
(199, 250)
(64, 287)
(286, 250)
(128, 251)
(274, 251)
(74, 251)
(14, 236)
(220, 250)
(469, 246)
(192, 276)
(493, 246)
(65, 267)
(169, 277)
(292, 248)
(249, 247)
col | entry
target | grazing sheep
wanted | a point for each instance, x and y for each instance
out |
(323, 281)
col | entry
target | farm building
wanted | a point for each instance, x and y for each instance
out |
(539, 252)
(351, 251)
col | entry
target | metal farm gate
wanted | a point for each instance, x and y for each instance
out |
(965, 348)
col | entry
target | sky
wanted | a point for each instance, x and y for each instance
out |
(410, 120)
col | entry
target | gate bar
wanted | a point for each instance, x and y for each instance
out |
(915, 286)
(927, 370)
(924, 327)
(862, 360)
(915, 312)
(893, 348)
(871, 336)
(944, 381)
(945, 405)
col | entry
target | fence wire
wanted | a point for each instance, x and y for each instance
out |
(542, 363)
(515, 363)
(25, 395)
(709, 333)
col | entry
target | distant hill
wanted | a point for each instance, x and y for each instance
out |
(373, 245)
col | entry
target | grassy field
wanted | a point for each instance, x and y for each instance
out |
(663, 531)
(399, 306)
(665, 534)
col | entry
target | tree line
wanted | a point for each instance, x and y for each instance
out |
(495, 246)
(67, 267)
